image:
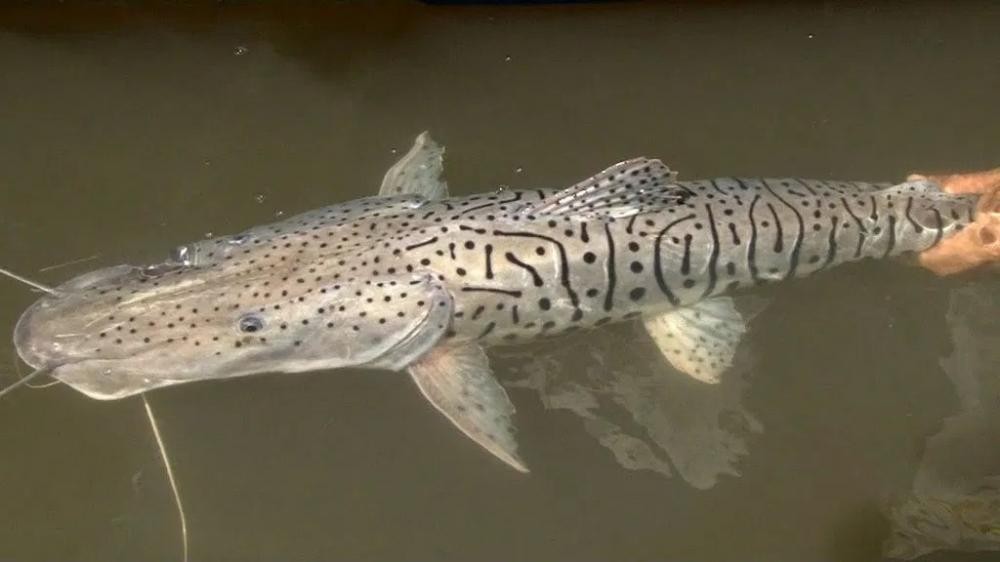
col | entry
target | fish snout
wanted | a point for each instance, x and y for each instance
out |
(34, 338)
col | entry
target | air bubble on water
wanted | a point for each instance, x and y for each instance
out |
(393, 151)
(518, 170)
(811, 36)
(506, 58)
(502, 187)
(206, 162)
(279, 213)
(209, 234)
(259, 197)
(240, 50)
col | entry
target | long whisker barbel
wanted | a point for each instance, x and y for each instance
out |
(170, 476)
(25, 380)
(26, 281)
(17, 371)
(38, 373)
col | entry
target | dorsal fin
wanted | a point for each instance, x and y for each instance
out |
(418, 172)
(622, 190)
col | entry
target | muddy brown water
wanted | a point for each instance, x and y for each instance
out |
(126, 131)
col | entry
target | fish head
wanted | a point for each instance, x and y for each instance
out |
(123, 330)
(278, 297)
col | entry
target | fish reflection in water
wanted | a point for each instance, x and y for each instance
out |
(955, 500)
(650, 416)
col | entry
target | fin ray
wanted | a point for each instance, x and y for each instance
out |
(418, 172)
(622, 190)
(699, 340)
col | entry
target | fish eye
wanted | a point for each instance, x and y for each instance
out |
(250, 323)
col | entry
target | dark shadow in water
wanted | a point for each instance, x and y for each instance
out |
(955, 500)
(648, 414)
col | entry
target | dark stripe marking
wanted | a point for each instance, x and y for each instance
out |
(892, 236)
(940, 227)
(536, 278)
(517, 197)
(714, 257)
(752, 247)
(686, 260)
(831, 251)
(806, 185)
(793, 261)
(609, 296)
(491, 290)
(564, 262)
(487, 330)
(631, 222)
(862, 231)
(658, 260)
(489, 261)
(909, 205)
(779, 238)
(419, 244)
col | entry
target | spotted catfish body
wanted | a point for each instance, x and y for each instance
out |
(521, 267)
(414, 279)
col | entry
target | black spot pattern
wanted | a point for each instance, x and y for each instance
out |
(517, 264)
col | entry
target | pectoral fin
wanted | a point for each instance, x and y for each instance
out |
(699, 340)
(458, 381)
(418, 172)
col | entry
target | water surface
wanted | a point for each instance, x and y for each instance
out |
(124, 132)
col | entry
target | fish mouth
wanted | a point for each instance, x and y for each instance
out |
(36, 353)
(37, 341)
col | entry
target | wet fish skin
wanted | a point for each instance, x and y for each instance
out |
(418, 280)
(518, 275)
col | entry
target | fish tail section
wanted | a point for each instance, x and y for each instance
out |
(976, 245)
(890, 221)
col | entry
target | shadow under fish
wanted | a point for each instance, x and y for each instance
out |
(647, 414)
(955, 500)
